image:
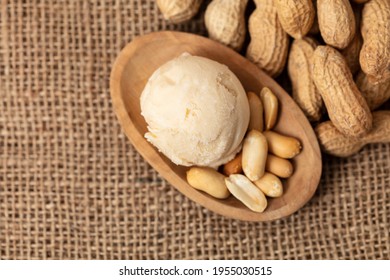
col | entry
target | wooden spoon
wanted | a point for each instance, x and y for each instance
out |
(132, 69)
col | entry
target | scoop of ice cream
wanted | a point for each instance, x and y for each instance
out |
(196, 110)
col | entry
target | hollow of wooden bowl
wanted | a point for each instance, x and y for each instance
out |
(130, 73)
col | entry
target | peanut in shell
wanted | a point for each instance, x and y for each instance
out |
(346, 106)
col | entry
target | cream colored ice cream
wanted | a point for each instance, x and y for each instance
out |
(196, 110)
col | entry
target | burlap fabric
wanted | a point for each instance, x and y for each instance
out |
(73, 187)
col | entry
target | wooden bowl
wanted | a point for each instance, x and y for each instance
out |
(130, 73)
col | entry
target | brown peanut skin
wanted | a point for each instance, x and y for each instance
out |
(346, 106)
(375, 28)
(335, 143)
(178, 11)
(299, 69)
(375, 94)
(296, 16)
(256, 120)
(336, 21)
(225, 22)
(268, 47)
(234, 166)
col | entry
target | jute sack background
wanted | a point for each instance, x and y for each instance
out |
(73, 187)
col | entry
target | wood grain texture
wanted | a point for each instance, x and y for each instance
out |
(139, 59)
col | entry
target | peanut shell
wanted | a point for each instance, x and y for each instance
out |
(352, 51)
(375, 28)
(299, 68)
(335, 143)
(225, 22)
(296, 16)
(375, 94)
(347, 108)
(178, 11)
(268, 47)
(336, 21)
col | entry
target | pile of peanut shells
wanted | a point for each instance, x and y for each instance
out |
(336, 54)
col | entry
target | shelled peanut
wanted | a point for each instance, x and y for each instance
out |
(281, 167)
(208, 180)
(270, 185)
(254, 174)
(246, 192)
(254, 154)
(281, 145)
(270, 104)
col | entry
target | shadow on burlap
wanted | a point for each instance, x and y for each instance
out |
(73, 187)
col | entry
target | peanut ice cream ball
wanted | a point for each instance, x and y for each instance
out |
(196, 110)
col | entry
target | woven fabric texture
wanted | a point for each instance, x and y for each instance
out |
(73, 187)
